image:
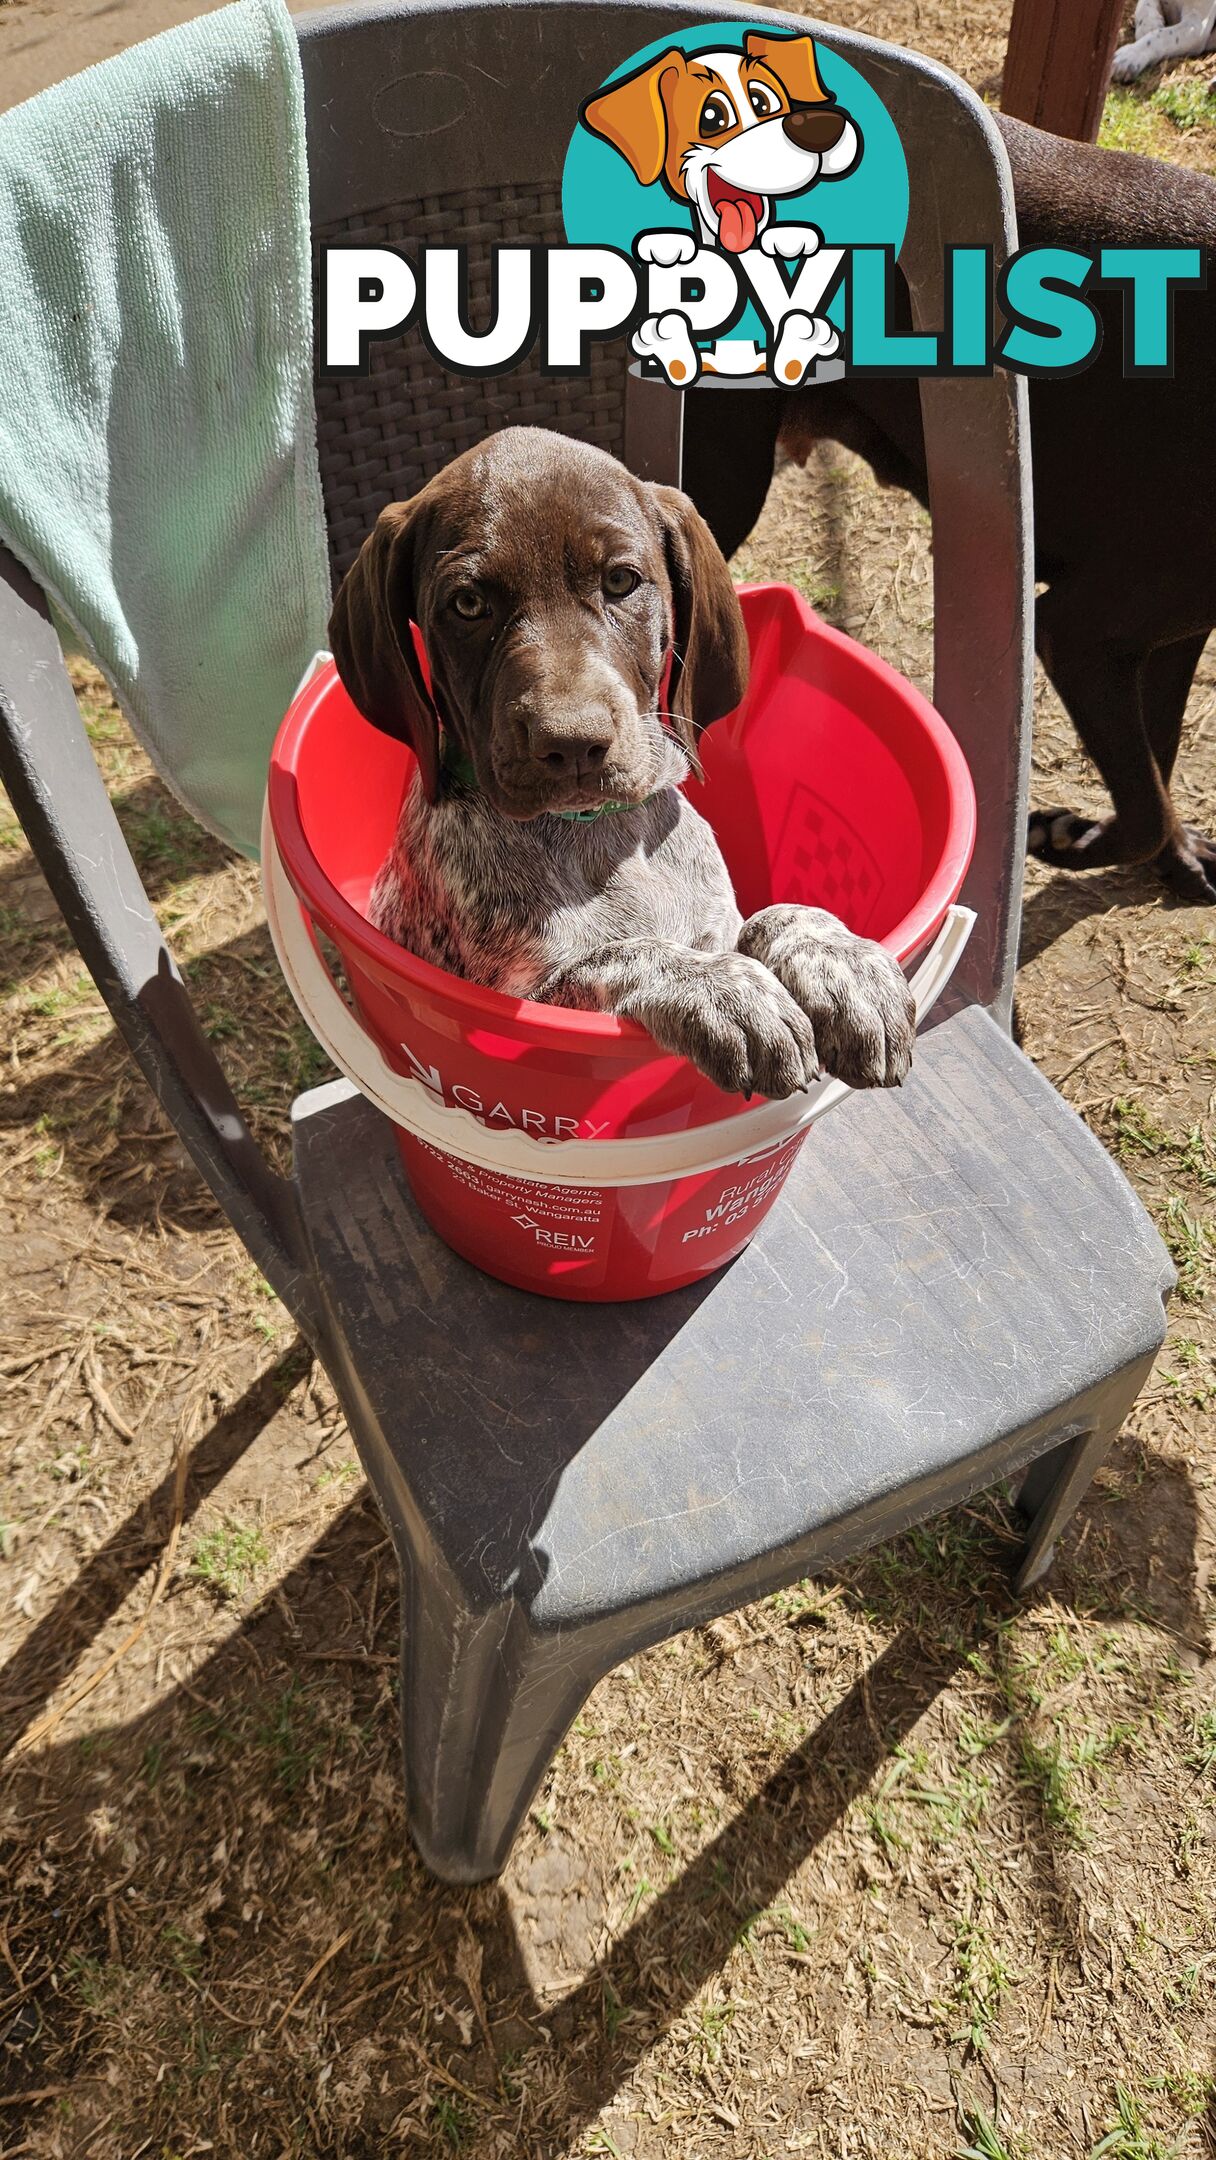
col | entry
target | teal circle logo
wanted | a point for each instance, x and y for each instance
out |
(742, 132)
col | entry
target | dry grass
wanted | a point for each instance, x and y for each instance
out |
(1170, 112)
(889, 1864)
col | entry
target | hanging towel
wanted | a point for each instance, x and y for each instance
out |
(158, 464)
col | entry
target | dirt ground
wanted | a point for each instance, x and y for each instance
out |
(890, 1864)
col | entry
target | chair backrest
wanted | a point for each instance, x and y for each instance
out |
(417, 117)
(451, 123)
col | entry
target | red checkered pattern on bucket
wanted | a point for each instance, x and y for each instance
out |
(821, 860)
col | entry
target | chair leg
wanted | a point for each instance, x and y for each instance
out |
(1055, 1485)
(485, 1703)
(1051, 1491)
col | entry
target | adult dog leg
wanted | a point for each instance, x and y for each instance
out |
(1186, 30)
(1187, 861)
(1103, 690)
(1168, 674)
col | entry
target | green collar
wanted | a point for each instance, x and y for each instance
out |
(458, 767)
(602, 809)
(455, 765)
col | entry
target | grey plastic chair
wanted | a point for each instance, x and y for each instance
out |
(957, 1287)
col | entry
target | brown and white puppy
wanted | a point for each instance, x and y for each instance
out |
(727, 131)
(544, 848)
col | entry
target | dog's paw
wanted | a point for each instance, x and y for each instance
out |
(852, 991)
(668, 339)
(790, 242)
(1168, 42)
(1187, 862)
(733, 1020)
(1188, 865)
(803, 340)
(666, 249)
(1128, 63)
(1069, 842)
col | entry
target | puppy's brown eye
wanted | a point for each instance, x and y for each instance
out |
(469, 604)
(717, 114)
(619, 580)
(762, 100)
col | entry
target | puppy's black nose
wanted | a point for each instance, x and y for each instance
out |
(815, 127)
(572, 750)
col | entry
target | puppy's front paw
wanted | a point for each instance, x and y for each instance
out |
(788, 242)
(667, 339)
(804, 339)
(733, 1020)
(666, 249)
(853, 992)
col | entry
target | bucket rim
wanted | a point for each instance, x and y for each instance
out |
(395, 967)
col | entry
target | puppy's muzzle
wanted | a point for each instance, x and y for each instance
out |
(814, 127)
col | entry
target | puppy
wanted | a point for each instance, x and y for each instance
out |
(580, 628)
(729, 133)
(1124, 497)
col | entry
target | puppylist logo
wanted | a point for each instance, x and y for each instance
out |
(739, 137)
(734, 203)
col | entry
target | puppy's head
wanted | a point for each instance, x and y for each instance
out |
(727, 131)
(549, 587)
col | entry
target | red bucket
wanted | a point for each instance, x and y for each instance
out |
(563, 1151)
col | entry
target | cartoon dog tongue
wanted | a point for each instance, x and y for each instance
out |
(736, 223)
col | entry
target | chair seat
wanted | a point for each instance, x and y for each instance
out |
(946, 1268)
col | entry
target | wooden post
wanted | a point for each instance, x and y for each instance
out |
(1057, 64)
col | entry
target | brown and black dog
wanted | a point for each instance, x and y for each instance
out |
(1124, 497)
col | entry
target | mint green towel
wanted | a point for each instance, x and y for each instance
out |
(158, 466)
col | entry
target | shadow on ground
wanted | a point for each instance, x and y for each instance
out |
(265, 1789)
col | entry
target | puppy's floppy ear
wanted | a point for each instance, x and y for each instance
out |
(632, 116)
(372, 641)
(793, 62)
(709, 672)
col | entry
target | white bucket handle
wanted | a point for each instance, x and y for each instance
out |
(655, 1159)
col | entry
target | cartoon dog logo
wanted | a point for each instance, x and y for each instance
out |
(729, 133)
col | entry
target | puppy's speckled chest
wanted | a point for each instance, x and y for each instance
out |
(509, 904)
